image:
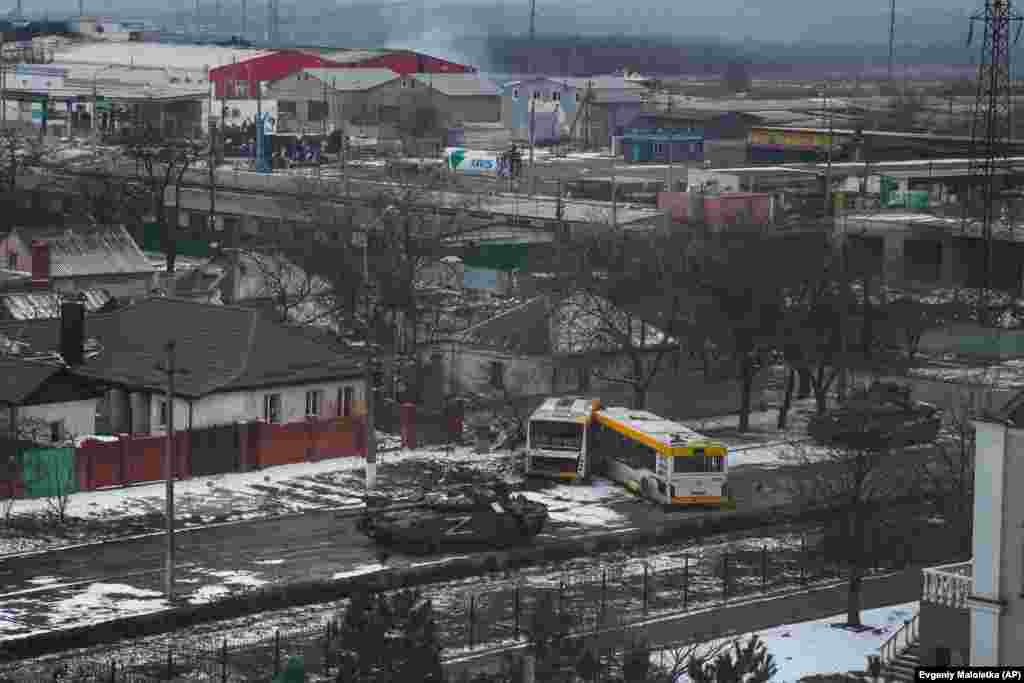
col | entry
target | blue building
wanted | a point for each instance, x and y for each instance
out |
(553, 104)
(662, 144)
(683, 136)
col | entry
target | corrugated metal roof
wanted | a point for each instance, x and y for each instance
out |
(45, 305)
(89, 251)
(600, 83)
(460, 85)
(352, 79)
(352, 56)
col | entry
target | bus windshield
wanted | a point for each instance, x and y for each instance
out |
(558, 436)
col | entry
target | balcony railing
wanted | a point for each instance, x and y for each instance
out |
(948, 585)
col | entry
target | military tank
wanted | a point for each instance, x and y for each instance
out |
(469, 514)
(881, 416)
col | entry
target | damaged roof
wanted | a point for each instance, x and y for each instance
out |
(77, 252)
(44, 305)
(223, 348)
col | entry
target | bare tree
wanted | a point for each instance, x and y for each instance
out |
(740, 299)
(161, 163)
(19, 153)
(948, 476)
(857, 478)
(624, 296)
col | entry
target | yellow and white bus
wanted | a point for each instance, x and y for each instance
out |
(660, 459)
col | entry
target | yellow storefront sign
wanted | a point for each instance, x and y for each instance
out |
(779, 138)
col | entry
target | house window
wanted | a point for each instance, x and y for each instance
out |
(272, 408)
(515, 93)
(556, 96)
(57, 431)
(317, 110)
(536, 94)
(497, 377)
(659, 148)
(345, 397)
(286, 108)
(12, 260)
(162, 421)
(313, 402)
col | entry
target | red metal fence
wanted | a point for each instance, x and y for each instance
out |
(209, 450)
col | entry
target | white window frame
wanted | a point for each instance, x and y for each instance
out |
(272, 408)
(314, 402)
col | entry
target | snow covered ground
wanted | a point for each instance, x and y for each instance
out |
(819, 647)
(333, 484)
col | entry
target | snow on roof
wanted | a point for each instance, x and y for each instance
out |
(566, 409)
(459, 85)
(199, 58)
(352, 79)
(666, 432)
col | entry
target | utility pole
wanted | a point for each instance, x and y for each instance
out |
(171, 371)
(827, 111)
(615, 203)
(363, 239)
(533, 100)
(892, 36)
(668, 188)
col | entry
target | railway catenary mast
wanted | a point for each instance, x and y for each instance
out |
(991, 130)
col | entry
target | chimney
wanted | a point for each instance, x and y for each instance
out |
(72, 331)
(40, 265)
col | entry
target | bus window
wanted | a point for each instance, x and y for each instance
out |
(696, 464)
(558, 436)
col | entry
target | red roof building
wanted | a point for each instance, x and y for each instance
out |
(239, 79)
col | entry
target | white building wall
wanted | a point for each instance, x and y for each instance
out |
(239, 406)
(471, 371)
(79, 417)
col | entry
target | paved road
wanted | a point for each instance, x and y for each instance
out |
(312, 546)
(881, 591)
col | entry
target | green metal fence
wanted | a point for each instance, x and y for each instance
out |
(49, 472)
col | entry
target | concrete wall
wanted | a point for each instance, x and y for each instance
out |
(941, 626)
(229, 407)
(1011, 583)
(79, 417)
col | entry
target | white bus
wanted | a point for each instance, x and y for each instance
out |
(663, 460)
(556, 439)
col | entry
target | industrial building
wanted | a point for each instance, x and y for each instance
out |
(237, 78)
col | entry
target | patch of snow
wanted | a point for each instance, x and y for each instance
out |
(817, 647)
(208, 594)
(579, 505)
(43, 580)
(238, 578)
(102, 601)
(360, 569)
(277, 561)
